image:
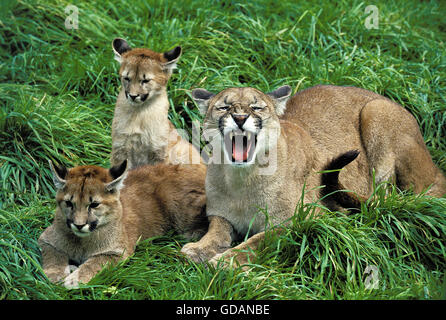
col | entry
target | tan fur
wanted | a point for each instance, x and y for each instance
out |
(153, 200)
(319, 124)
(141, 130)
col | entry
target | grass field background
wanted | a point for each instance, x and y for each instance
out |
(57, 93)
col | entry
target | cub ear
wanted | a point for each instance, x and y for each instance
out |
(119, 47)
(202, 98)
(59, 175)
(118, 173)
(172, 57)
(280, 96)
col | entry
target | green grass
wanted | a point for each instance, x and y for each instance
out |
(57, 94)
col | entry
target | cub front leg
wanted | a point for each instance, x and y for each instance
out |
(54, 263)
(242, 254)
(88, 270)
(216, 240)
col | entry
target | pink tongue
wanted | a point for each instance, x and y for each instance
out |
(239, 153)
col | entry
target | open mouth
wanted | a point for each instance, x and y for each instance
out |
(138, 99)
(240, 145)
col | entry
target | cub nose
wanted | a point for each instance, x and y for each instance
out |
(133, 97)
(239, 119)
(79, 226)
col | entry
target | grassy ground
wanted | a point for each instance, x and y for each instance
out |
(57, 94)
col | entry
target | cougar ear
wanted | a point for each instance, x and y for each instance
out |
(118, 173)
(119, 47)
(172, 58)
(202, 98)
(59, 175)
(280, 96)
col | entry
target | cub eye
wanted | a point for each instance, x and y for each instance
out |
(145, 81)
(94, 204)
(69, 204)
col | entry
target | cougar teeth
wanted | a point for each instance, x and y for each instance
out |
(248, 135)
(231, 135)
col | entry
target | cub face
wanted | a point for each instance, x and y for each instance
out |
(244, 120)
(88, 196)
(143, 73)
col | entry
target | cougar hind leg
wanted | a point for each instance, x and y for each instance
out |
(396, 150)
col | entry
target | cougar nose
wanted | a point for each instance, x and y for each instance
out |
(239, 119)
(133, 97)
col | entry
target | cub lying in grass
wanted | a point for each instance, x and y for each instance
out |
(101, 214)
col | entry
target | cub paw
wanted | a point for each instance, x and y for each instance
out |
(55, 275)
(72, 280)
(69, 269)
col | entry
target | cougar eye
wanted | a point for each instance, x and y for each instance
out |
(127, 79)
(223, 108)
(69, 204)
(256, 108)
(145, 81)
(94, 204)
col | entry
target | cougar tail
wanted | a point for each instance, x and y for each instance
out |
(332, 191)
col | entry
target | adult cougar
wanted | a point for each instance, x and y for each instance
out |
(316, 129)
(100, 217)
(141, 131)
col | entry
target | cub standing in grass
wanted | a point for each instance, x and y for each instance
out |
(316, 129)
(101, 214)
(141, 131)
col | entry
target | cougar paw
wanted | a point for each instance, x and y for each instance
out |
(231, 259)
(197, 252)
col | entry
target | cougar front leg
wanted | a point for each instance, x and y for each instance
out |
(246, 251)
(54, 263)
(242, 254)
(88, 270)
(218, 239)
(119, 153)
